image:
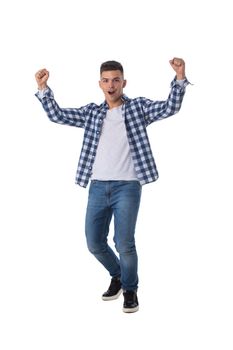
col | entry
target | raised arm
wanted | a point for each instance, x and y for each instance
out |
(157, 110)
(68, 116)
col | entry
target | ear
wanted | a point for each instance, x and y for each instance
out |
(124, 84)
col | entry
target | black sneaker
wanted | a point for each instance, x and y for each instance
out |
(114, 289)
(130, 301)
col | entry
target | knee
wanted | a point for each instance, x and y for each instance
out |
(125, 247)
(93, 244)
(95, 247)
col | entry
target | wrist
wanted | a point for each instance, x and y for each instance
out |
(42, 87)
(180, 77)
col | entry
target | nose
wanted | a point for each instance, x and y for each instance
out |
(111, 84)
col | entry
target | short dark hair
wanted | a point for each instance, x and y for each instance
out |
(111, 65)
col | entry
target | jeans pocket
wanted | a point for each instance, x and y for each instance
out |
(93, 182)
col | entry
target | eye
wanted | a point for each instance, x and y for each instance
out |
(104, 80)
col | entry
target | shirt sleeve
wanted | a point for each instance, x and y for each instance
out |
(41, 93)
(68, 116)
(157, 110)
(181, 82)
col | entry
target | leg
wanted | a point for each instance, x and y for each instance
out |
(126, 200)
(98, 218)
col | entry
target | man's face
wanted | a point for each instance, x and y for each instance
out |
(112, 84)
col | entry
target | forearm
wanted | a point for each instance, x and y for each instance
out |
(175, 98)
(157, 110)
(173, 104)
(68, 116)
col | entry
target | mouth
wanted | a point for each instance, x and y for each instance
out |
(111, 93)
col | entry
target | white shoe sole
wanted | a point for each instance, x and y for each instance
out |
(113, 297)
(130, 310)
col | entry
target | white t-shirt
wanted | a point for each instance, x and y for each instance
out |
(113, 159)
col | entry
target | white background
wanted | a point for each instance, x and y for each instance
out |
(50, 284)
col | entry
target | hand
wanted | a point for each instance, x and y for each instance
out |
(42, 77)
(178, 65)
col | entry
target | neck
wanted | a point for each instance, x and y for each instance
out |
(113, 104)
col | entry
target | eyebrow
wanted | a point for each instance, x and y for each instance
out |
(110, 78)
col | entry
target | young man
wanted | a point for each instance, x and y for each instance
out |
(117, 158)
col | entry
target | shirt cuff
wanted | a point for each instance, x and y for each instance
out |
(180, 82)
(41, 93)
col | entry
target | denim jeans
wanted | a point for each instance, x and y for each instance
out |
(120, 199)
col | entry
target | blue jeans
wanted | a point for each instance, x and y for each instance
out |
(120, 199)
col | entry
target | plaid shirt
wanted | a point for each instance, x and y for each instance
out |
(138, 113)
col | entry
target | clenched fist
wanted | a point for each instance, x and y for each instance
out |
(41, 78)
(178, 65)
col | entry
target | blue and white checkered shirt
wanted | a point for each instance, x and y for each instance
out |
(138, 113)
